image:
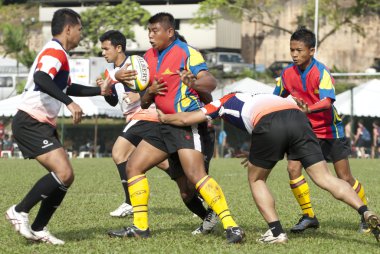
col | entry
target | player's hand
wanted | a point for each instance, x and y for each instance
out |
(161, 116)
(125, 76)
(302, 105)
(244, 156)
(76, 112)
(158, 87)
(131, 97)
(105, 86)
(187, 78)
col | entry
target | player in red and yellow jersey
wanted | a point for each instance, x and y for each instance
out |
(310, 83)
(184, 80)
(277, 127)
(139, 123)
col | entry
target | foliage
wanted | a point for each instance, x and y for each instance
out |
(82, 220)
(249, 10)
(336, 12)
(27, 57)
(120, 17)
(13, 41)
(339, 13)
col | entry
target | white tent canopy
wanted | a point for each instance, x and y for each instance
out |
(91, 106)
(366, 100)
(246, 85)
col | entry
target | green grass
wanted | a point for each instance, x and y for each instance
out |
(83, 218)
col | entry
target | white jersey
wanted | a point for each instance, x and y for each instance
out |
(121, 91)
(54, 61)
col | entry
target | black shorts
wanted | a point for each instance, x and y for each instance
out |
(170, 138)
(33, 137)
(334, 150)
(285, 131)
(175, 170)
(136, 130)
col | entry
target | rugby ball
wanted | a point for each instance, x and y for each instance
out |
(141, 66)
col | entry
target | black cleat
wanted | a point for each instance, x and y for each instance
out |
(373, 222)
(132, 231)
(235, 235)
(304, 223)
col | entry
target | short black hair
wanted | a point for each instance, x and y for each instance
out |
(305, 35)
(163, 18)
(115, 37)
(63, 17)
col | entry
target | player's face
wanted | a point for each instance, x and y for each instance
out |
(159, 36)
(75, 33)
(301, 54)
(109, 52)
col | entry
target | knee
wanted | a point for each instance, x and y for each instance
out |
(66, 177)
(294, 171)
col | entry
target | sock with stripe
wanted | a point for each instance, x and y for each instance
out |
(301, 192)
(124, 182)
(276, 228)
(213, 195)
(139, 194)
(48, 207)
(41, 190)
(359, 189)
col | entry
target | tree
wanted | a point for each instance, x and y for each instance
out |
(337, 12)
(13, 42)
(340, 13)
(120, 17)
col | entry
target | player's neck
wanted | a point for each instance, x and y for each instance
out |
(120, 60)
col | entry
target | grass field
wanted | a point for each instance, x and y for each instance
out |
(83, 218)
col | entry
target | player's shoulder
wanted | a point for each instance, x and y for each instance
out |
(321, 67)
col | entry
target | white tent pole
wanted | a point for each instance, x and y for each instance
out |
(316, 26)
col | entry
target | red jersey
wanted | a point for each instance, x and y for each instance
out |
(312, 85)
(177, 57)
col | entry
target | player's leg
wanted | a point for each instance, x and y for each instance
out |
(142, 159)
(342, 191)
(264, 200)
(121, 151)
(39, 140)
(301, 192)
(193, 166)
(338, 152)
(58, 164)
(186, 188)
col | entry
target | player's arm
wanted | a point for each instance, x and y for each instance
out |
(158, 87)
(319, 106)
(111, 98)
(182, 118)
(280, 89)
(204, 83)
(47, 85)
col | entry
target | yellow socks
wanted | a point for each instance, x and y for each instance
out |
(300, 190)
(139, 193)
(359, 189)
(214, 197)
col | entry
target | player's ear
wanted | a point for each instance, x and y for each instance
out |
(171, 32)
(312, 51)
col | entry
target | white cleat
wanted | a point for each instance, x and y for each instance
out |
(270, 239)
(46, 237)
(20, 222)
(122, 211)
(208, 223)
